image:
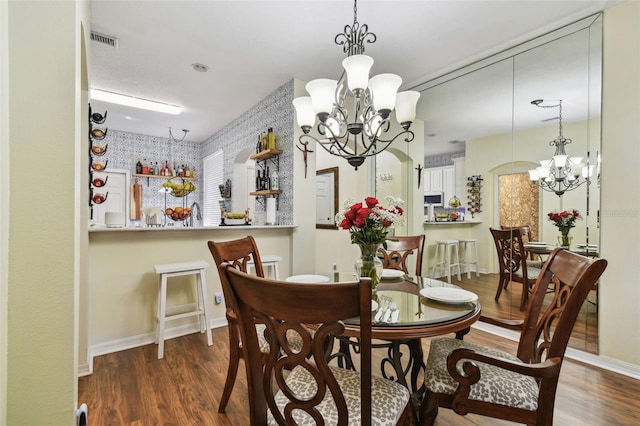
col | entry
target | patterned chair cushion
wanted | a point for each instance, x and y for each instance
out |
(387, 403)
(533, 270)
(496, 385)
(295, 341)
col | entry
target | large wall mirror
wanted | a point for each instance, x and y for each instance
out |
(487, 110)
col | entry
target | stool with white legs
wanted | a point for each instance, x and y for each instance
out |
(469, 251)
(447, 257)
(199, 308)
(269, 261)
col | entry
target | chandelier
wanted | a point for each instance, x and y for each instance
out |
(561, 173)
(364, 131)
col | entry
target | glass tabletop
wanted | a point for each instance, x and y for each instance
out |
(399, 302)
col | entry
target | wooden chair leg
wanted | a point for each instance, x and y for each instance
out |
(429, 409)
(232, 371)
(501, 284)
(525, 296)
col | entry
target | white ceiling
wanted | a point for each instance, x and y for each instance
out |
(253, 47)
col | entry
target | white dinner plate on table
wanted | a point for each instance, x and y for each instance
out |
(388, 274)
(448, 294)
(374, 305)
(308, 278)
(589, 246)
(538, 243)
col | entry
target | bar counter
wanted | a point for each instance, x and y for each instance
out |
(122, 285)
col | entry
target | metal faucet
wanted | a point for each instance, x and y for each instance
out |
(195, 207)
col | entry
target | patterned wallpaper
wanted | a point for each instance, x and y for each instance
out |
(276, 110)
(441, 161)
(124, 149)
(519, 202)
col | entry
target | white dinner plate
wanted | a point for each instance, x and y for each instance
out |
(309, 278)
(391, 273)
(374, 305)
(591, 246)
(448, 294)
(538, 243)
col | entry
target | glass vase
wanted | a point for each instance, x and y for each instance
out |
(564, 240)
(369, 265)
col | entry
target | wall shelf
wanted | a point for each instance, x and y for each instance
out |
(266, 192)
(162, 177)
(265, 154)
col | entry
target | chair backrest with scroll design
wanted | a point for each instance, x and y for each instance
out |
(398, 251)
(512, 260)
(284, 308)
(526, 234)
(548, 325)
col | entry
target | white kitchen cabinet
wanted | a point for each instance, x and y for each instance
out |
(448, 183)
(433, 179)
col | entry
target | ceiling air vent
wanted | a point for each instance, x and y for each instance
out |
(104, 39)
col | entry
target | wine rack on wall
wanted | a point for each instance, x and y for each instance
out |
(474, 194)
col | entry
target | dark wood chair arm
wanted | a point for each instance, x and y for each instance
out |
(471, 372)
(504, 323)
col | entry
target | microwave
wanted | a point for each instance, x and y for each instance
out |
(435, 199)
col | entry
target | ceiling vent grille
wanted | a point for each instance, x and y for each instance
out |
(104, 39)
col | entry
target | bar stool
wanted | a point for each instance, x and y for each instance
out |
(198, 308)
(444, 259)
(469, 246)
(269, 261)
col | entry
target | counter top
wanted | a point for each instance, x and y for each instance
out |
(188, 228)
(455, 222)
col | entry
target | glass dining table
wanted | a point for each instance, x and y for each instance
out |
(405, 310)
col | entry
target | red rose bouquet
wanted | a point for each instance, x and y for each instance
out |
(564, 220)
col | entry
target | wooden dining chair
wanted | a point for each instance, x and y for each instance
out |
(300, 386)
(237, 253)
(470, 378)
(527, 237)
(398, 251)
(513, 264)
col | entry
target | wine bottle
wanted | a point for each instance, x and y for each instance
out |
(258, 181)
(138, 167)
(267, 179)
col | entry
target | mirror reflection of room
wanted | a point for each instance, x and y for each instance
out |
(482, 120)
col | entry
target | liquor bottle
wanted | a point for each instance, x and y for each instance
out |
(138, 167)
(173, 170)
(259, 144)
(258, 181)
(180, 170)
(193, 172)
(145, 167)
(271, 138)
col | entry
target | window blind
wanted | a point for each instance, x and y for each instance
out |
(213, 176)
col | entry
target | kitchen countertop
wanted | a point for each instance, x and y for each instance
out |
(188, 228)
(455, 222)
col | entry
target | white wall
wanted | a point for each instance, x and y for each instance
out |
(45, 81)
(619, 289)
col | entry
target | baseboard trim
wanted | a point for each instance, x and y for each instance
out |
(604, 362)
(141, 340)
(84, 369)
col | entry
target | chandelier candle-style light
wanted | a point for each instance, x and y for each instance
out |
(561, 173)
(362, 132)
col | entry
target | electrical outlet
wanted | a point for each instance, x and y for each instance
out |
(218, 298)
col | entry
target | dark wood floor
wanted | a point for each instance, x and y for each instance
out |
(133, 387)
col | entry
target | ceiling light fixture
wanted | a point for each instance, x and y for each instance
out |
(363, 132)
(131, 101)
(561, 173)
